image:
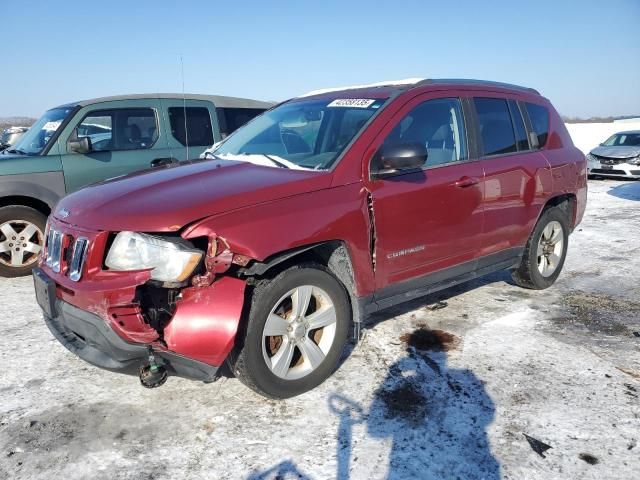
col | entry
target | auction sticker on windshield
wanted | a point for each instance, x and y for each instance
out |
(352, 102)
(51, 125)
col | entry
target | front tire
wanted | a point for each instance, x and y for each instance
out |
(21, 239)
(545, 252)
(297, 327)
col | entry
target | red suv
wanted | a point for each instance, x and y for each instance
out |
(327, 207)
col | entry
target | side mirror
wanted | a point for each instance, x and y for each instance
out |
(80, 145)
(393, 159)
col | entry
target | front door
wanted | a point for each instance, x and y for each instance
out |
(123, 139)
(428, 220)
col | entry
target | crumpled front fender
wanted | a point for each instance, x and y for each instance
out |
(206, 320)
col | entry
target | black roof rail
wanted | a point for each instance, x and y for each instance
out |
(480, 83)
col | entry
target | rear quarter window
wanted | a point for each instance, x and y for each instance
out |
(539, 117)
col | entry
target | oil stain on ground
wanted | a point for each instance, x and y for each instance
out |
(425, 339)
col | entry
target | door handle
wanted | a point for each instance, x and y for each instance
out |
(466, 182)
(158, 162)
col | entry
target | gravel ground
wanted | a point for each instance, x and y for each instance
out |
(430, 392)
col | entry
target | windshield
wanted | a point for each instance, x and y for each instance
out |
(623, 140)
(37, 137)
(300, 134)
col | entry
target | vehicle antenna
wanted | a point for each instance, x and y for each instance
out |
(184, 108)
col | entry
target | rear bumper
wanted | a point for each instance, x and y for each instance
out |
(92, 339)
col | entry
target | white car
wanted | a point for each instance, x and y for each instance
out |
(618, 156)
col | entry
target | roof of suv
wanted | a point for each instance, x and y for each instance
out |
(387, 88)
(218, 100)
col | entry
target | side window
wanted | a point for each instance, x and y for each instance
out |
(98, 126)
(198, 132)
(439, 125)
(539, 117)
(518, 126)
(137, 128)
(495, 125)
(119, 129)
(233, 118)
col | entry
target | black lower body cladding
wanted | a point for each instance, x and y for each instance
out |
(90, 338)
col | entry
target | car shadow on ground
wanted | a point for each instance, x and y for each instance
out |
(435, 416)
(626, 191)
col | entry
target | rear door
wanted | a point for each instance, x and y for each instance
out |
(191, 127)
(514, 174)
(428, 220)
(125, 137)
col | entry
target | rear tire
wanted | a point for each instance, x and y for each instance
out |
(545, 252)
(281, 354)
(21, 239)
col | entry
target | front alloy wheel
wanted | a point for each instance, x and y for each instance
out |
(20, 243)
(296, 330)
(21, 239)
(299, 332)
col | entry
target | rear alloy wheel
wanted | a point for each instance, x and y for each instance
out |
(545, 252)
(296, 331)
(21, 240)
(550, 248)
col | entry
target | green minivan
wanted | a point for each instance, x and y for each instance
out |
(80, 143)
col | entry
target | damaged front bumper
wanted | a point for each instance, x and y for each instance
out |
(90, 338)
(108, 328)
(124, 322)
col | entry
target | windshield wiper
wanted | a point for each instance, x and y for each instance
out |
(15, 150)
(276, 162)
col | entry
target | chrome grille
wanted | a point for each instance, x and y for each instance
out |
(611, 161)
(75, 256)
(54, 250)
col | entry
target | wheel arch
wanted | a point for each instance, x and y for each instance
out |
(567, 202)
(332, 254)
(26, 201)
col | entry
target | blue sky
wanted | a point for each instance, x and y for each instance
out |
(583, 55)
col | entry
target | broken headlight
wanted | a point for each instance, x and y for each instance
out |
(170, 261)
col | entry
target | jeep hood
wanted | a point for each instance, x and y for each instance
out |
(167, 199)
(617, 152)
